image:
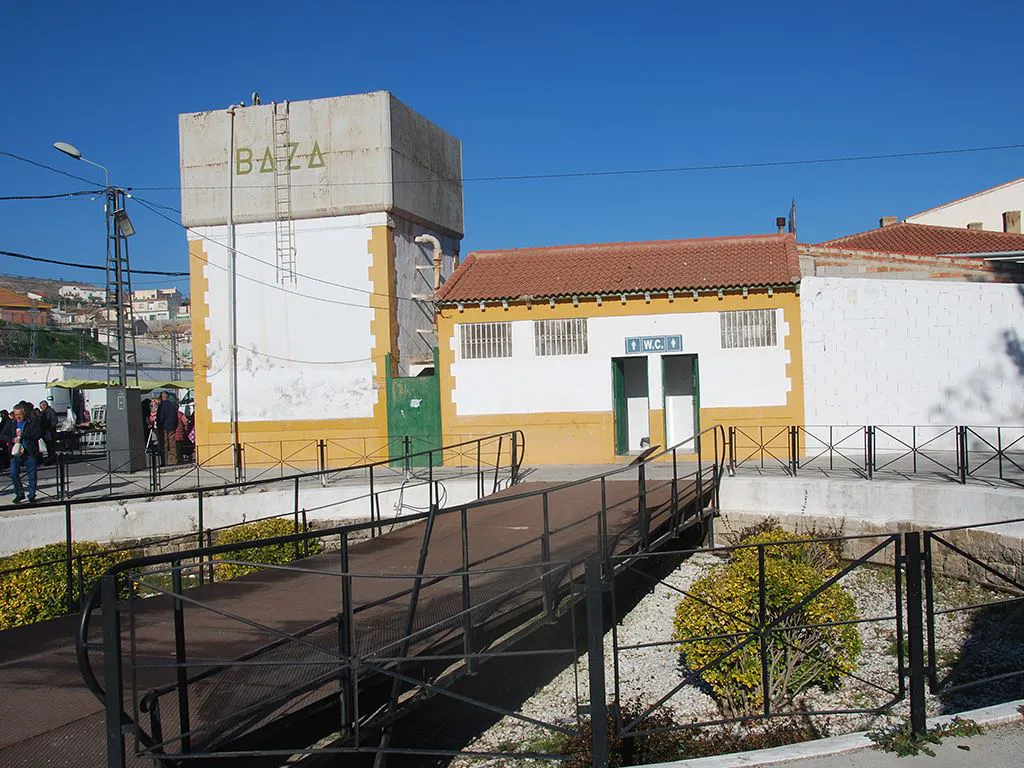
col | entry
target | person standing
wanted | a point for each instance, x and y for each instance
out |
(5, 447)
(23, 433)
(167, 422)
(48, 424)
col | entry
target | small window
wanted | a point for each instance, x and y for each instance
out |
(482, 340)
(749, 328)
(560, 337)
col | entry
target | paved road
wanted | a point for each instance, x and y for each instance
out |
(1000, 747)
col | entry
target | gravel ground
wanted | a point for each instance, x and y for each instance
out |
(649, 673)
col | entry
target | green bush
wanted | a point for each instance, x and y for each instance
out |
(39, 591)
(722, 611)
(268, 554)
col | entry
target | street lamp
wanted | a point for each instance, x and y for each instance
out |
(72, 151)
(123, 430)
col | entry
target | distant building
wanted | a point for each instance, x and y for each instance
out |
(156, 304)
(995, 210)
(16, 308)
(79, 293)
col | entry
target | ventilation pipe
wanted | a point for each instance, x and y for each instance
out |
(887, 221)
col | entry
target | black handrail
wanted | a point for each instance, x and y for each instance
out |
(208, 552)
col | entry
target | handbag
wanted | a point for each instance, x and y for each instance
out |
(17, 450)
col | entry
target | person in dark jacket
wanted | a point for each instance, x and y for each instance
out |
(23, 433)
(48, 423)
(167, 422)
(5, 449)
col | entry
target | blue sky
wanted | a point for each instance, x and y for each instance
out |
(533, 88)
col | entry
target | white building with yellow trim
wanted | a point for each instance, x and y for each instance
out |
(329, 293)
(596, 351)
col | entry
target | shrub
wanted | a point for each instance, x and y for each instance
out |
(722, 611)
(38, 591)
(269, 554)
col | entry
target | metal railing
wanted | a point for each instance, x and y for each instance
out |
(957, 453)
(374, 634)
(493, 461)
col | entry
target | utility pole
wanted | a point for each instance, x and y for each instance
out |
(33, 350)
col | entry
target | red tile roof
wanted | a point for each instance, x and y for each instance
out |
(928, 240)
(659, 265)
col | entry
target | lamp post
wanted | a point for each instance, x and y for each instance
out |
(125, 448)
(119, 227)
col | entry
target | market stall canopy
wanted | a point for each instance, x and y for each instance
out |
(145, 385)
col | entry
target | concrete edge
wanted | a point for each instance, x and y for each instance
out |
(999, 714)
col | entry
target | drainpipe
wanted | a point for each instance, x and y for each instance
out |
(233, 299)
(438, 256)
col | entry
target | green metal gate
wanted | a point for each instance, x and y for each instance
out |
(414, 416)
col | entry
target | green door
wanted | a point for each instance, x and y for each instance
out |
(619, 406)
(414, 417)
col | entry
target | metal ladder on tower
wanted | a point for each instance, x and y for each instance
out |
(284, 227)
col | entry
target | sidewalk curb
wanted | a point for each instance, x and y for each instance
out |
(999, 714)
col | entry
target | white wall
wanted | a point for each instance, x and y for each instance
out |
(912, 352)
(291, 324)
(31, 372)
(986, 207)
(525, 383)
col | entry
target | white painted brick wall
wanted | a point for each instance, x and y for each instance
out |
(911, 352)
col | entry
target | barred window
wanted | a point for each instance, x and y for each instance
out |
(748, 328)
(560, 337)
(481, 340)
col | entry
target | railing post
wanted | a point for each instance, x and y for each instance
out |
(479, 472)
(373, 528)
(602, 527)
(240, 462)
(295, 516)
(961, 454)
(154, 472)
(467, 615)
(595, 664)
(181, 669)
(732, 451)
(112, 681)
(675, 491)
(346, 640)
(715, 469)
(700, 476)
(322, 455)
(431, 490)
(405, 452)
(201, 523)
(515, 458)
(545, 556)
(869, 451)
(497, 462)
(644, 517)
(69, 557)
(915, 632)
(794, 449)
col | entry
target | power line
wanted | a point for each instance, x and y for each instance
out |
(40, 259)
(146, 204)
(47, 167)
(634, 171)
(309, 362)
(57, 196)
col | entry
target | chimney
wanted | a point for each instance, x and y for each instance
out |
(885, 221)
(1011, 222)
(976, 225)
(780, 222)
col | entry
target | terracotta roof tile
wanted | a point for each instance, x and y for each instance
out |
(659, 265)
(928, 240)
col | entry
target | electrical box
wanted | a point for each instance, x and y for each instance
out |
(126, 437)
